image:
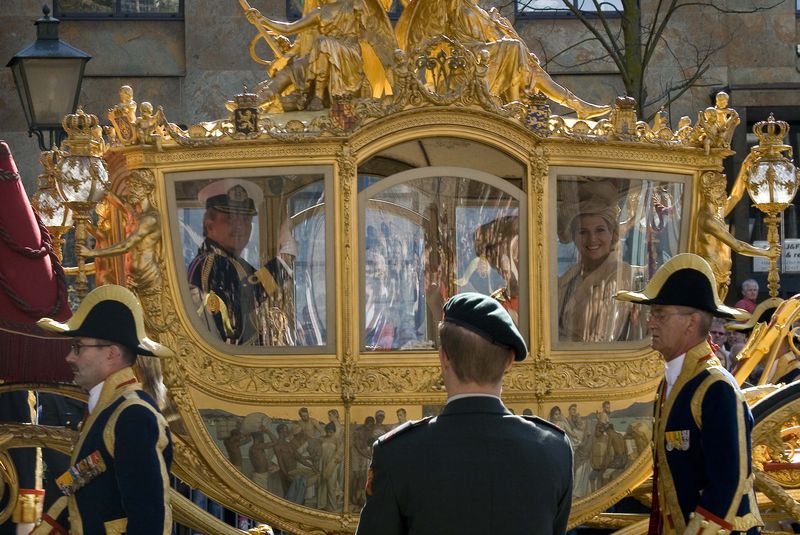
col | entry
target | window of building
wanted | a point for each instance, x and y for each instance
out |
(128, 9)
(559, 8)
(294, 9)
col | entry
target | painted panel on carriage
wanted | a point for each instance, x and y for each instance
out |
(607, 439)
(298, 453)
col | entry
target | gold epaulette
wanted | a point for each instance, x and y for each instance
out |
(267, 281)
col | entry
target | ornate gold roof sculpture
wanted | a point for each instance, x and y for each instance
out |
(346, 67)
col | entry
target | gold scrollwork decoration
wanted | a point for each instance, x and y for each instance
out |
(542, 365)
(346, 171)
(240, 382)
(768, 445)
(398, 379)
(9, 485)
(614, 374)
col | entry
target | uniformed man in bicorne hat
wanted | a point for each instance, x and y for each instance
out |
(476, 468)
(703, 481)
(118, 481)
(225, 295)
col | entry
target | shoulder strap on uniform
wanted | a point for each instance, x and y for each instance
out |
(541, 421)
(715, 375)
(411, 424)
(205, 273)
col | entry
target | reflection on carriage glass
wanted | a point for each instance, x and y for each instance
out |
(613, 233)
(428, 238)
(254, 252)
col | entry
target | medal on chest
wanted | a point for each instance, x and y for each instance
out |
(676, 440)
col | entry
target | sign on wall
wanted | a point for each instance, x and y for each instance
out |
(790, 262)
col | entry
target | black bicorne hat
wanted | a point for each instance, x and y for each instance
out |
(110, 313)
(485, 316)
(684, 280)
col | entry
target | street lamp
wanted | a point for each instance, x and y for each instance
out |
(772, 184)
(82, 180)
(49, 203)
(48, 75)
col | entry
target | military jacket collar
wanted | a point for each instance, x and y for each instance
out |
(115, 385)
(209, 246)
(473, 404)
(697, 358)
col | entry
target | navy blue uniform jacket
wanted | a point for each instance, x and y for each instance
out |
(214, 270)
(476, 469)
(702, 448)
(131, 495)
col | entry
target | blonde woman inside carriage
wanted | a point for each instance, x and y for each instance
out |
(589, 218)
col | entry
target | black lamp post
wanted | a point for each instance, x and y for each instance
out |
(48, 75)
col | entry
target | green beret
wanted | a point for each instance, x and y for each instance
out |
(486, 317)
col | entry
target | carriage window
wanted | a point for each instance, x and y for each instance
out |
(428, 234)
(253, 248)
(613, 234)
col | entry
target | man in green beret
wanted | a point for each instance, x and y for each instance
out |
(475, 468)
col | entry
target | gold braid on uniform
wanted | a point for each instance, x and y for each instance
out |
(208, 263)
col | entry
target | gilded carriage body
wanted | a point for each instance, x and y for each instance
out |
(391, 218)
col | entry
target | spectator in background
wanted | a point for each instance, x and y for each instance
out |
(719, 336)
(749, 296)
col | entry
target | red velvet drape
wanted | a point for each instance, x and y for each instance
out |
(32, 286)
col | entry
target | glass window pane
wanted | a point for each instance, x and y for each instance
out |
(149, 6)
(52, 84)
(613, 234)
(86, 6)
(426, 239)
(549, 6)
(121, 7)
(254, 251)
(528, 6)
(605, 5)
